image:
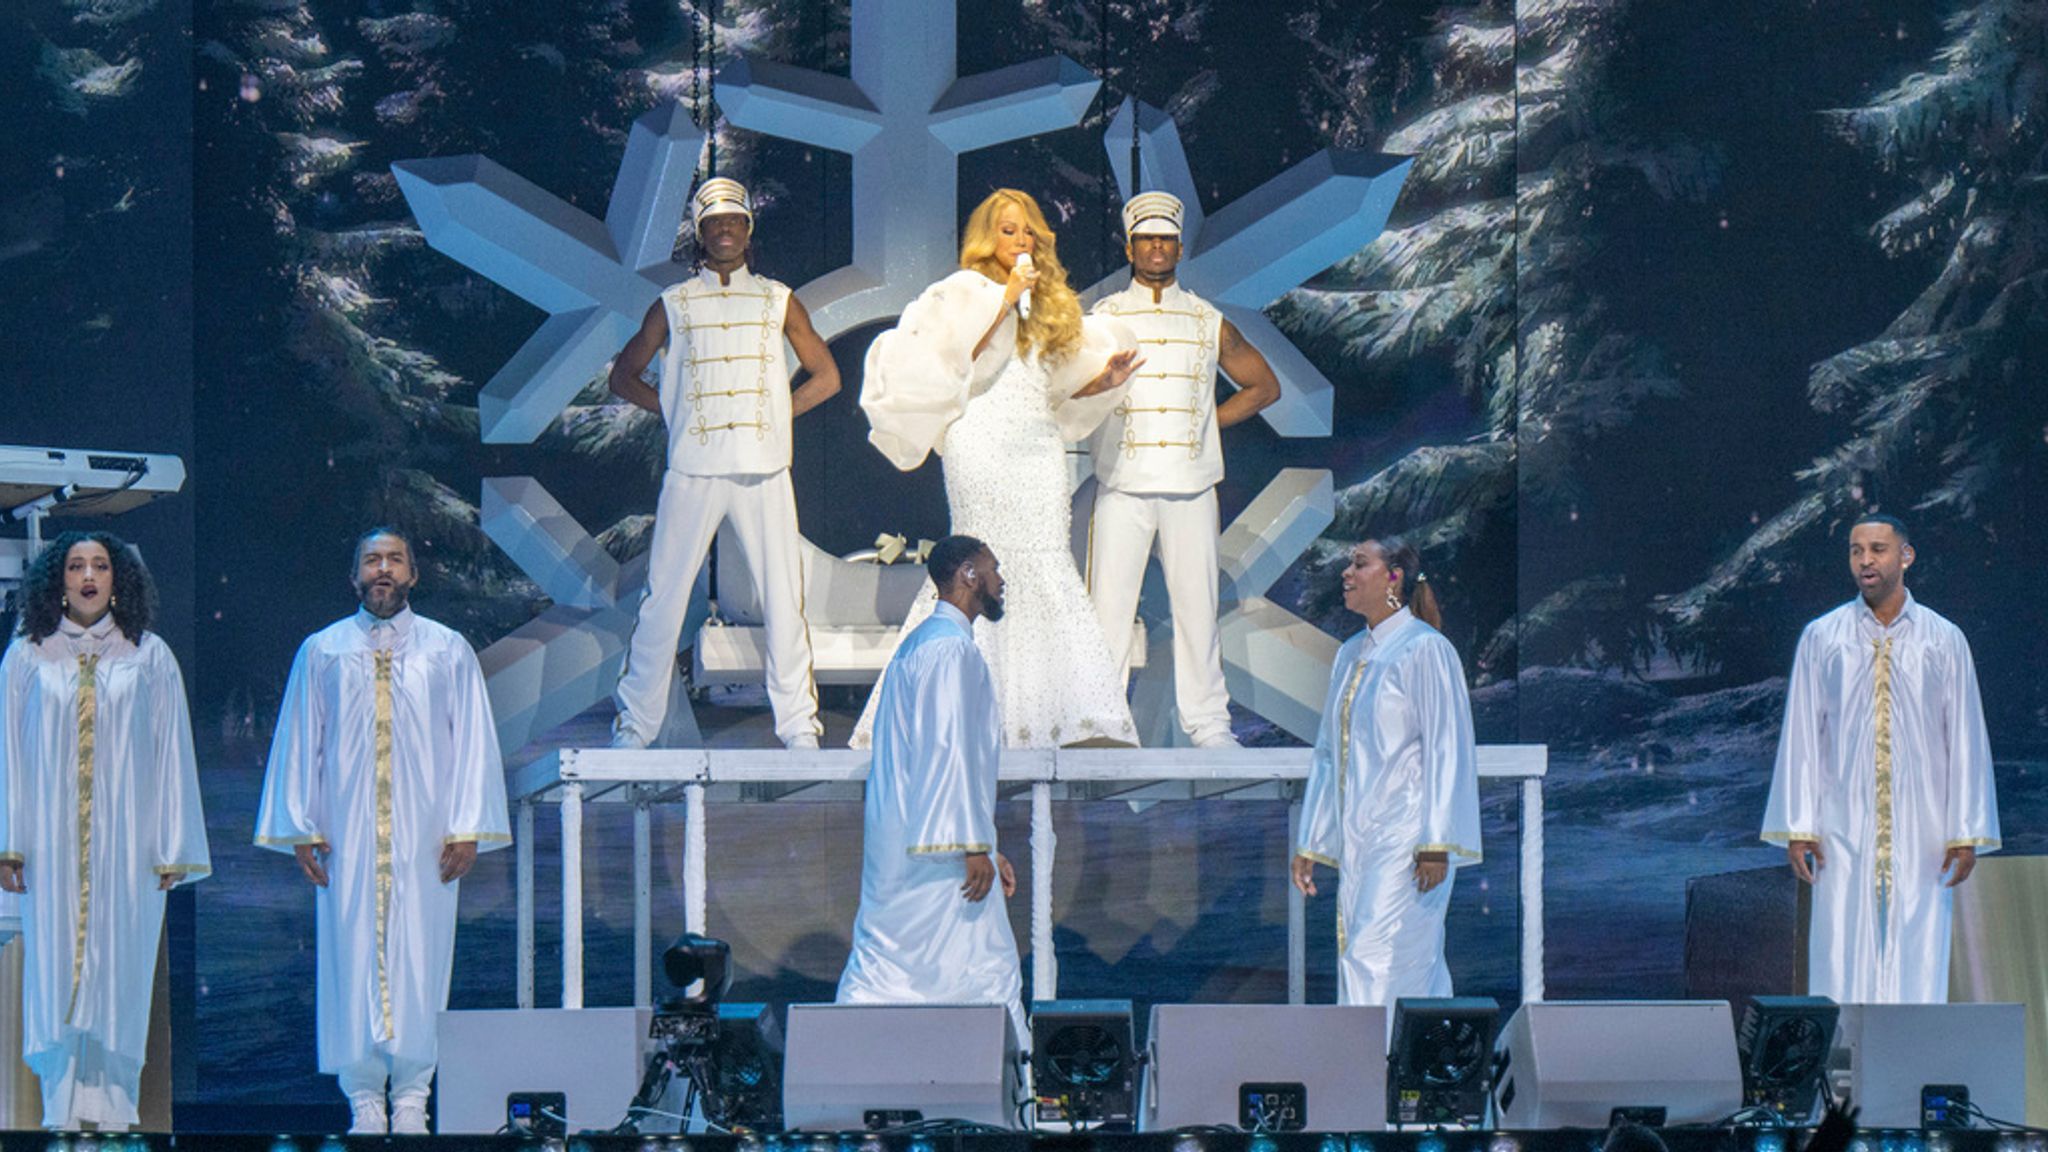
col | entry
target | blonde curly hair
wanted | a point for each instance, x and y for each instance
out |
(1054, 329)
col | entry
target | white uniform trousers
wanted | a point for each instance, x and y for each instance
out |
(1120, 541)
(763, 514)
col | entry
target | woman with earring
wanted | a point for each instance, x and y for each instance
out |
(1393, 788)
(996, 369)
(101, 818)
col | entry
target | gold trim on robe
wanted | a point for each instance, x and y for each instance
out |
(947, 849)
(383, 758)
(88, 716)
(1881, 691)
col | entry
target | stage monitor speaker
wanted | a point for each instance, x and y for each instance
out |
(865, 1066)
(1784, 1042)
(1886, 1053)
(593, 1056)
(1276, 1067)
(1577, 1064)
(1440, 1063)
(1084, 1067)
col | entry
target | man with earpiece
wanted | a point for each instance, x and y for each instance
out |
(932, 927)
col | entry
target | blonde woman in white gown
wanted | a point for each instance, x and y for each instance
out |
(996, 369)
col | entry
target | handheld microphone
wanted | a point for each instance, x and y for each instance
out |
(1024, 301)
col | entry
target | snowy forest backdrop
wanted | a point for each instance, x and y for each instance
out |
(1672, 292)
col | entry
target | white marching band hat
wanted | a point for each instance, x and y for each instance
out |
(1152, 214)
(719, 196)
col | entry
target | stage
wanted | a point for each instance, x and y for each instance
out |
(1623, 314)
(1702, 1139)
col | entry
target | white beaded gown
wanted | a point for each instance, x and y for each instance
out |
(1002, 421)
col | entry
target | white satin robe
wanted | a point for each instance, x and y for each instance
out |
(142, 809)
(931, 800)
(1395, 772)
(446, 784)
(1869, 946)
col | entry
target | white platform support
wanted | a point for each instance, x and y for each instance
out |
(643, 906)
(572, 895)
(522, 849)
(699, 777)
(1045, 963)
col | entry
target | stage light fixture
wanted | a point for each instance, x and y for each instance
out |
(1083, 1069)
(692, 958)
(1440, 1065)
(730, 1055)
(1784, 1042)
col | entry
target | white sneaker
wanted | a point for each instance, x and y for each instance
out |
(368, 1117)
(1221, 739)
(808, 742)
(623, 737)
(409, 1118)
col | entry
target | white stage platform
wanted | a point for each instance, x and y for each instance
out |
(699, 778)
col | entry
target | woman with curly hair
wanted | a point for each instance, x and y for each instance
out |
(996, 369)
(101, 818)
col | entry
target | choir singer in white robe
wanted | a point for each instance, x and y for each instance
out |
(384, 782)
(102, 817)
(932, 926)
(1393, 790)
(1883, 794)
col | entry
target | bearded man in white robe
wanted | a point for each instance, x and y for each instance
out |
(928, 931)
(1883, 794)
(384, 781)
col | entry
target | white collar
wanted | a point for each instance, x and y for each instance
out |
(1172, 294)
(99, 629)
(1392, 624)
(400, 625)
(954, 614)
(1869, 618)
(742, 278)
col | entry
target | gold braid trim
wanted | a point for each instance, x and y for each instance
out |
(383, 770)
(1344, 768)
(88, 718)
(1882, 704)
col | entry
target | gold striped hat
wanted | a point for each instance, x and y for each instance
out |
(1153, 214)
(719, 196)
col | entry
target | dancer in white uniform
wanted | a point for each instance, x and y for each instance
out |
(1393, 788)
(1000, 393)
(1158, 460)
(1883, 794)
(726, 399)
